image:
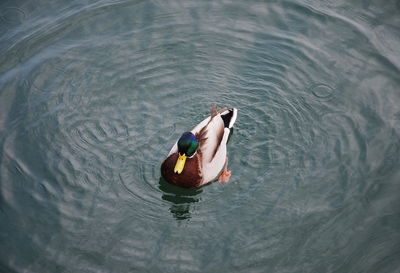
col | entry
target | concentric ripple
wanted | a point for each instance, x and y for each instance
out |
(94, 95)
(12, 15)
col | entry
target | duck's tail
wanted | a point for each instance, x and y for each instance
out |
(229, 117)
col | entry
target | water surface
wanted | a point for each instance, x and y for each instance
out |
(93, 94)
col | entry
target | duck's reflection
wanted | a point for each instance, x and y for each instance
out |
(180, 198)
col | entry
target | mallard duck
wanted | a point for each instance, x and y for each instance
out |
(199, 155)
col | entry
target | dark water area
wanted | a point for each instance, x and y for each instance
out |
(93, 94)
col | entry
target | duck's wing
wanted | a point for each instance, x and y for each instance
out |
(213, 138)
(210, 137)
(212, 131)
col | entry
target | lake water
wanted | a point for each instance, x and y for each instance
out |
(93, 94)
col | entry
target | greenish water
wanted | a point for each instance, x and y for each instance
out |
(93, 94)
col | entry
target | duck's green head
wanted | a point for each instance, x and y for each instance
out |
(187, 147)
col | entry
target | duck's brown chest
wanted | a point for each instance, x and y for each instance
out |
(190, 176)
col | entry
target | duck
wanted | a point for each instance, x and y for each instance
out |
(199, 156)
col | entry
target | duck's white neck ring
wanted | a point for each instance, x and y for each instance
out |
(193, 155)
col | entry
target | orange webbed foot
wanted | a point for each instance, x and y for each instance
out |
(225, 174)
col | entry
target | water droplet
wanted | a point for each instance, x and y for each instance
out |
(322, 91)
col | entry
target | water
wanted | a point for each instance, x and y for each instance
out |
(93, 94)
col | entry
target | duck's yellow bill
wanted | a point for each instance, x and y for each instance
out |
(180, 163)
